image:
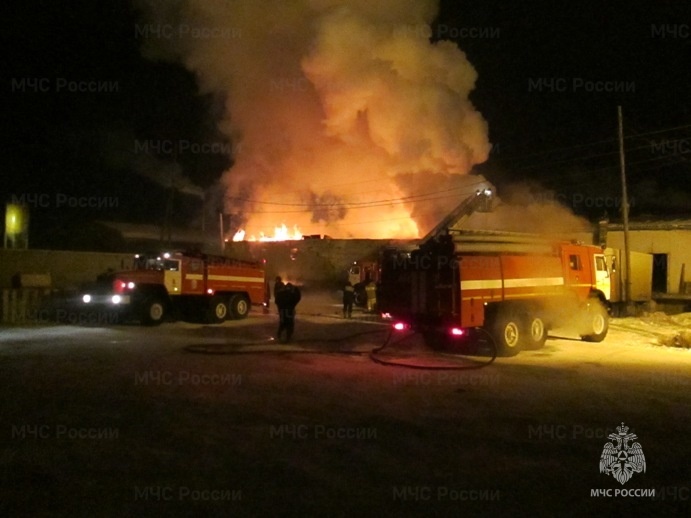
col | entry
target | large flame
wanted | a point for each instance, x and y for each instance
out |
(344, 114)
(280, 234)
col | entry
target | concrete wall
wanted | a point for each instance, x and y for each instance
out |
(675, 243)
(24, 306)
(68, 269)
(318, 262)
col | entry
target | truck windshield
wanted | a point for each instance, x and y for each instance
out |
(150, 262)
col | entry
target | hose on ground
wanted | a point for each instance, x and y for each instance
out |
(374, 355)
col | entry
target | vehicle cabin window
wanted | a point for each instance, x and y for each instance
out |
(170, 264)
(355, 270)
(156, 263)
(575, 262)
(600, 264)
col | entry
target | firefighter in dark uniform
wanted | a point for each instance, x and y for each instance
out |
(286, 300)
(348, 299)
(278, 286)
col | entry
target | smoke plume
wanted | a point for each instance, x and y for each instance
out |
(345, 118)
(531, 208)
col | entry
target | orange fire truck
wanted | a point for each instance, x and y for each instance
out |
(360, 274)
(217, 287)
(514, 286)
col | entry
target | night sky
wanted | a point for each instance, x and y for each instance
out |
(539, 67)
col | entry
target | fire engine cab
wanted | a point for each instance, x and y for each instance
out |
(186, 283)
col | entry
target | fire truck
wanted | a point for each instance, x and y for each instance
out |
(360, 274)
(184, 283)
(458, 285)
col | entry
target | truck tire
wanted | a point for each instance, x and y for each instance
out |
(153, 311)
(239, 306)
(507, 330)
(218, 310)
(535, 334)
(596, 322)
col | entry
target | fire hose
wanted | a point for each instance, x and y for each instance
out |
(375, 354)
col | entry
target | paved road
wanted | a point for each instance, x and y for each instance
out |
(195, 420)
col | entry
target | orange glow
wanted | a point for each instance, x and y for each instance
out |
(280, 234)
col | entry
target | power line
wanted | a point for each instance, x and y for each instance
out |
(589, 144)
(357, 205)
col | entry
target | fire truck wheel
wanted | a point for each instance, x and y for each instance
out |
(218, 310)
(507, 331)
(597, 322)
(535, 333)
(239, 306)
(154, 311)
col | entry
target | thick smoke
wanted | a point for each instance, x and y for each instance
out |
(343, 112)
(527, 207)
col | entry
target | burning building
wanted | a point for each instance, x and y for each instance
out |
(347, 118)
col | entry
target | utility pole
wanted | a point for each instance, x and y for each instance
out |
(625, 215)
(220, 221)
(204, 215)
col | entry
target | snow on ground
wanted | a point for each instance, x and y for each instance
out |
(659, 328)
(151, 421)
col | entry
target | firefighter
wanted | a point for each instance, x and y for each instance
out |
(371, 290)
(286, 300)
(348, 298)
(278, 286)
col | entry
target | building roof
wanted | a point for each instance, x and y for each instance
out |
(652, 224)
(143, 233)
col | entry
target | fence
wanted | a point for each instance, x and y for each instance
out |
(25, 305)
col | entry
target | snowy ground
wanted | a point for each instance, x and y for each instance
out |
(659, 328)
(198, 420)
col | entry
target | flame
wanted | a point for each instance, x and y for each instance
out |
(280, 234)
(349, 110)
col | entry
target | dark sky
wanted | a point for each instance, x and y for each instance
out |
(540, 67)
(537, 87)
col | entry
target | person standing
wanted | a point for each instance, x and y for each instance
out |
(348, 299)
(278, 286)
(286, 300)
(371, 290)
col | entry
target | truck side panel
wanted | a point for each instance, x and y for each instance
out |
(481, 282)
(193, 276)
(490, 279)
(237, 279)
(534, 276)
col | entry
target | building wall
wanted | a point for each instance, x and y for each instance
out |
(316, 262)
(675, 243)
(68, 269)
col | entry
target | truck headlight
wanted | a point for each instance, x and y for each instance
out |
(116, 299)
(86, 298)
